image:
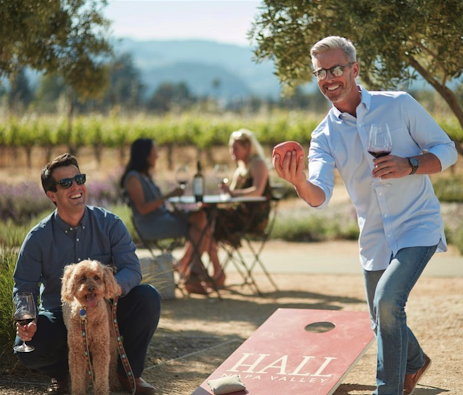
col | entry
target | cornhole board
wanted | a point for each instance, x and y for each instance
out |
(282, 357)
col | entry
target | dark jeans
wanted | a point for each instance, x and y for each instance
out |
(138, 315)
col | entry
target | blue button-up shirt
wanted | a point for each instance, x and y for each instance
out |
(52, 244)
(404, 214)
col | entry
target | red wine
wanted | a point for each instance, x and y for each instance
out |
(25, 321)
(379, 154)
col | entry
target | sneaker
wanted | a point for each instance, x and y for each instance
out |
(411, 380)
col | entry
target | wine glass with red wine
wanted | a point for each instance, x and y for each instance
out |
(379, 143)
(25, 312)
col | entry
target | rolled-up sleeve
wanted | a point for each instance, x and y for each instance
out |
(321, 165)
(427, 133)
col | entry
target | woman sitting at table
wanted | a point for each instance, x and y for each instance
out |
(251, 178)
(155, 221)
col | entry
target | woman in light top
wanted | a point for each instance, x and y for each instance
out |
(155, 221)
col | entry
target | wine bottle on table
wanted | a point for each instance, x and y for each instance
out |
(198, 183)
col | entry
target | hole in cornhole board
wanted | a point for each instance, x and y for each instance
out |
(320, 327)
(299, 352)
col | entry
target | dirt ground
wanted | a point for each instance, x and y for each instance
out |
(197, 334)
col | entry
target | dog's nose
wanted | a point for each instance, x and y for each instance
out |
(91, 288)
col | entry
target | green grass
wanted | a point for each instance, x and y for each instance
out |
(449, 189)
(457, 239)
(8, 258)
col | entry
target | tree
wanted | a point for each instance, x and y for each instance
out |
(126, 88)
(396, 40)
(63, 37)
(171, 95)
(51, 88)
(20, 93)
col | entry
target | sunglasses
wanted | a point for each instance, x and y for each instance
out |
(66, 183)
(336, 71)
(239, 136)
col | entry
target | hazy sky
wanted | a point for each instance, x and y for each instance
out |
(219, 20)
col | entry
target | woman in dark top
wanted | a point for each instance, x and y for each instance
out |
(251, 178)
(155, 221)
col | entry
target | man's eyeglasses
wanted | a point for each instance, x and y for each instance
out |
(336, 71)
(66, 183)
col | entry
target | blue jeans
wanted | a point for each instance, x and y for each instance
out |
(387, 293)
(138, 315)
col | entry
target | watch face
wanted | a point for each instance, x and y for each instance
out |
(414, 163)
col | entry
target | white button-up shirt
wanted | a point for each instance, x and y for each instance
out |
(404, 214)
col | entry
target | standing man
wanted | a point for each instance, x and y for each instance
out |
(75, 232)
(400, 225)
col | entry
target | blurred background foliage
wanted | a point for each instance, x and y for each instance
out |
(171, 130)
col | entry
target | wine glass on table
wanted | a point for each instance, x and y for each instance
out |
(379, 144)
(181, 176)
(221, 176)
(25, 312)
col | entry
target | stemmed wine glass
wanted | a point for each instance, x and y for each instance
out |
(24, 313)
(181, 176)
(379, 144)
(221, 176)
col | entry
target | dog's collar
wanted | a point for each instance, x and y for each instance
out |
(83, 313)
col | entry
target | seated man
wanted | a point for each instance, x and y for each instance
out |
(74, 232)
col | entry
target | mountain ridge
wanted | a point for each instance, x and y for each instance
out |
(208, 67)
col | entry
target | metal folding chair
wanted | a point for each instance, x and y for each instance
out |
(167, 246)
(254, 243)
(157, 247)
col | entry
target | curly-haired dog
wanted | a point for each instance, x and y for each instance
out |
(89, 285)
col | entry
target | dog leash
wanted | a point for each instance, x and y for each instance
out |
(83, 327)
(120, 346)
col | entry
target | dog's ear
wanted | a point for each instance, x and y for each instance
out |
(68, 283)
(111, 286)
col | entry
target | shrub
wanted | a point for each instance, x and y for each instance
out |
(23, 205)
(304, 224)
(104, 193)
(22, 202)
(457, 239)
(7, 330)
(13, 234)
(449, 189)
(299, 228)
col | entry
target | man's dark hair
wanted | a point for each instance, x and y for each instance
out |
(48, 182)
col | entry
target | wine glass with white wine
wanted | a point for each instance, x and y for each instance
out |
(221, 176)
(181, 176)
(25, 312)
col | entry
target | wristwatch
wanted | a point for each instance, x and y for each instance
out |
(414, 164)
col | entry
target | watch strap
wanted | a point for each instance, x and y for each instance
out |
(414, 164)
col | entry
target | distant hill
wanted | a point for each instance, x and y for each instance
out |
(209, 68)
